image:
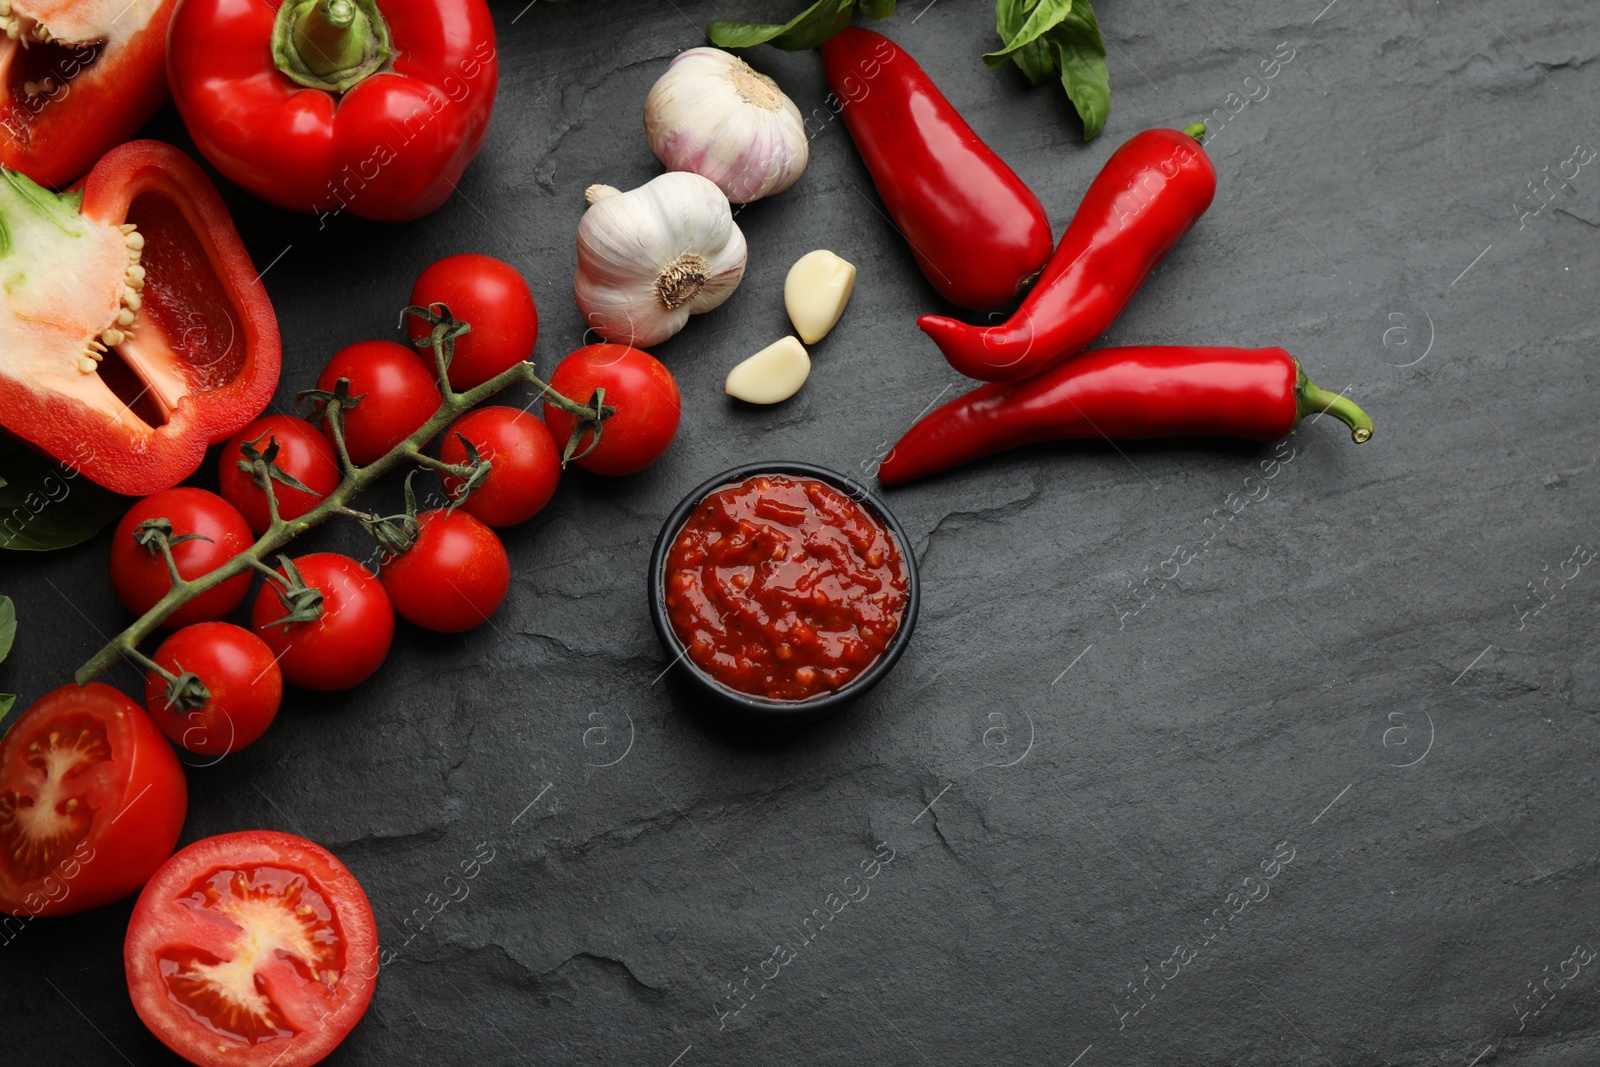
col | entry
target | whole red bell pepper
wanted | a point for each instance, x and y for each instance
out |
(1258, 394)
(1148, 195)
(134, 331)
(978, 233)
(80, 77)
(327, 105)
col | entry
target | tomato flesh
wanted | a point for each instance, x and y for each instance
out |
(285, 928)
(40, 830)
(252, 948)
(92, 800)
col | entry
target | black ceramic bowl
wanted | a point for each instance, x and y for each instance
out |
(794, 711)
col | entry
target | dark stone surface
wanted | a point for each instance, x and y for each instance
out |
(1069, 790)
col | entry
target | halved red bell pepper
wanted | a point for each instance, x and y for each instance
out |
(134, 329)
(327, 105)
(77, 77)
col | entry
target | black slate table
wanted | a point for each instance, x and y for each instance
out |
(1372, 691)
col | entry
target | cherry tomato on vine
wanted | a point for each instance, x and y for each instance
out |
(140, 575)
(638, 386)
(525, 464)
(252, 949)
(303, 453)
(495, 299)
(92, 800)
(453, 578)
(346, 642)
(243, 680)
(400, 395)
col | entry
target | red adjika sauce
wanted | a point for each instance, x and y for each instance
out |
(784, 587)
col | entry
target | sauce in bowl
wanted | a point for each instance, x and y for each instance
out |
(784, 587)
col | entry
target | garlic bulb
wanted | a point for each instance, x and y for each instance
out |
(650, 258)
(713, 115)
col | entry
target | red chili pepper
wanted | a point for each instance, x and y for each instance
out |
(134, 330)
(78, 77)
(1258, 394)
(324, 105)
(977, 232)
(1148, 195)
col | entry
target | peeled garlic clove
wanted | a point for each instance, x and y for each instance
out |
(816, 291)
(772, 375)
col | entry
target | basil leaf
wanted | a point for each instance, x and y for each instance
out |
(1033, 59)
(8, 626)
(46, 505)
(1042, 17)
(1081, 55)
(878, 9)
(808, 29)
(1036, 60)
(8, 634)
(1009, 16)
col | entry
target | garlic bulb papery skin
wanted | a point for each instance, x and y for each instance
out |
(710, 113)
(651, 257)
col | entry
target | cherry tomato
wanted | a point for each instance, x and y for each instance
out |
(493, 297)
(92, 800)
(303, 454)
(400, 395)
(638, 386)
(244, 682)
(525, 464)
(139, 574)
(252, 949)
(343, 645)
(453, 578)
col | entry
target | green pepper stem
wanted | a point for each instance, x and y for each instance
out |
(1315, 400)
(1196, 130)
(330, 44)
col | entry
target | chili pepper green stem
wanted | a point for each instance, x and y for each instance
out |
(1197, 130)
(356, 481)
(1316, 400)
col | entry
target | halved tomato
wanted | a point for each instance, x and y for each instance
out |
(92, 800)
(251, 949)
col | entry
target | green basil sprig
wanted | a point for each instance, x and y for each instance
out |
(1057, 38)
(46, 505)
(1044, 38)
(808, 29)
(8, 634)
